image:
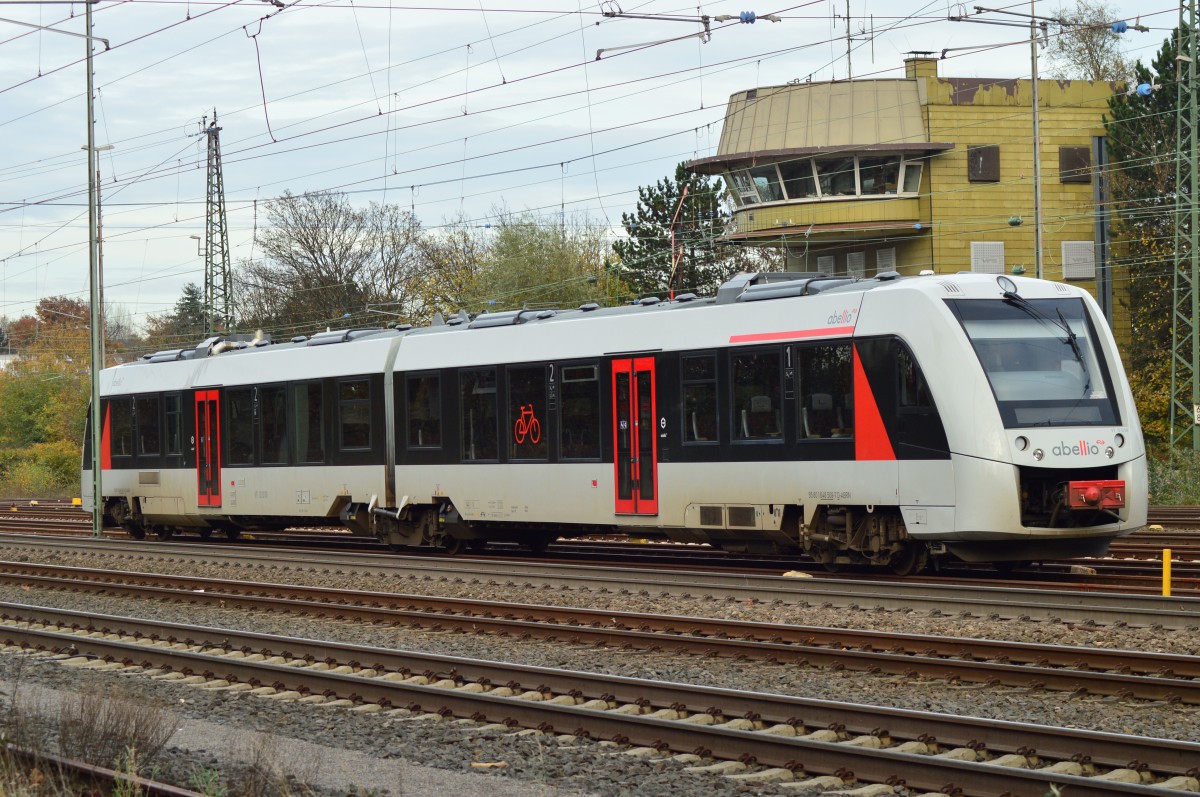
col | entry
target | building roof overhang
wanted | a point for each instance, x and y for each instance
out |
(806, 231)
(718, 163)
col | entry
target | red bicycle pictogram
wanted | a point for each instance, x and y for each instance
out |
(527, 425)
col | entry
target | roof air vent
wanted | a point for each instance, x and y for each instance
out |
(686, 297)
(649, 301)
(589, 307)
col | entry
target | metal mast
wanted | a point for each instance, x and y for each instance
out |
(1185, 348)
(218, 277)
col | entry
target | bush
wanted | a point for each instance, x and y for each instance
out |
(1175, 480)
(43, 470)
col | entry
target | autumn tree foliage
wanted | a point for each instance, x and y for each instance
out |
(1142, 150)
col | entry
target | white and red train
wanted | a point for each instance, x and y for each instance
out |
(859, 421)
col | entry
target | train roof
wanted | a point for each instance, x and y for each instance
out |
(740, 289)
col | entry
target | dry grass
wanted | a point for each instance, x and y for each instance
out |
(265, 776)
(110, 728)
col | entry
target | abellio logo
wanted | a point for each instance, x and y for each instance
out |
(1079, 449)
(844, 317)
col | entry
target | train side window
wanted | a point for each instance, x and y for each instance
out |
(913, 391)
(425, 411)
(120, 425)
(756, 382)
(479, 436)
(148, 433)
(354, 415)
(273, 405)
(699, 378)
(308, 409)
(239, 429)
(826, 390)
(579, 425)
(527, 411)
(174, 418)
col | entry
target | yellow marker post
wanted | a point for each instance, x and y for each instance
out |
(1166, 572)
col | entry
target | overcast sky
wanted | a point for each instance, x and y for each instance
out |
(442, 109)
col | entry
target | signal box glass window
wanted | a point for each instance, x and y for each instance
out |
(174, 420)
(354, 414)
(425, 411)
(879, 175)
(1042, 361)
(120, 427)
(756, 381)
(699, 398)
(149, 443)
(836, 177)
(826, 374)
(239, 430)
(527, 411)
(479, 423)
(798, 179)
(309, 415)
(580, 413)
(273, 405)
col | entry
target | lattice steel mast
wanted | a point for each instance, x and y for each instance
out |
(218, 276)
(1185, 349)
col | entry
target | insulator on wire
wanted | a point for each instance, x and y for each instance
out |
(747, 17)
(1120, 26)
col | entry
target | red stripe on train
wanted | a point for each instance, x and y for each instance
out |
(794, 334)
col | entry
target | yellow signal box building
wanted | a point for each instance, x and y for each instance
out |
(922, 174)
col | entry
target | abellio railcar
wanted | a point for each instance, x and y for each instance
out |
(875, 421)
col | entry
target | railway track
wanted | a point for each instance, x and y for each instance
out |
(1123, 673)
(797, 737)
(1070, 603)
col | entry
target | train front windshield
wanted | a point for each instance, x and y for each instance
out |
(1041, 358)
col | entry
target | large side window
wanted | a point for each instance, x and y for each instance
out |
(912, 392)
(120, 426)
(699, 378)
(354, 415)
(173, 414)
(826, 373)
(308, 414)
(425, 411)
(240, 428)
(478, 392)
(580, 412)
(756, 395)
(273, 405)
(149, 440)
(527, 409)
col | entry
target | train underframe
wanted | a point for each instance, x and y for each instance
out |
(836, 536)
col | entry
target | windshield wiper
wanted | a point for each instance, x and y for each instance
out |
(1074, 344)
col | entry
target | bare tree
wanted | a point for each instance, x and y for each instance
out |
(325, 261)
(1087, 48)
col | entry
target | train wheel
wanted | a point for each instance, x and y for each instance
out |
(164, 532)
(834, 567)
(232, 533)
(453, 545)
(205, 532)
(135, 531)
(912, 559)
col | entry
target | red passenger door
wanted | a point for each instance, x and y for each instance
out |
(207, 439)
(635, 438)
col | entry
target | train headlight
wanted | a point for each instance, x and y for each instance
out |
(1108, 452)
(1022, 443)
(1038, 454)
(1119, 440)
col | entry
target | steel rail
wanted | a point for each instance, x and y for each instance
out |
(97, 775)
(1060, 668)
(920, 771)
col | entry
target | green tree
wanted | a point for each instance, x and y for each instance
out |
(183, 325)
(1141, 142)
(536, 261)
(648, 264)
